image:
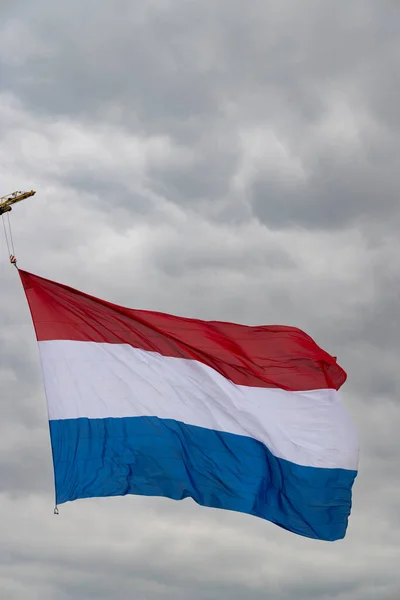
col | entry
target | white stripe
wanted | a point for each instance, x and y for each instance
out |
(87, 379)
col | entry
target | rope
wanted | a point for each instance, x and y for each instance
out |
(9, 241)
(5, 235)
(11, 235)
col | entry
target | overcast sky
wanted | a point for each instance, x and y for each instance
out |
(221, 159)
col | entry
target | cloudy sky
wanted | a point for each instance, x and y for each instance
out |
(222, 159)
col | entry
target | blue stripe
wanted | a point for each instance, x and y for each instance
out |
(156, 457)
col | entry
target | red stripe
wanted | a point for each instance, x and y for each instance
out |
(265, 356)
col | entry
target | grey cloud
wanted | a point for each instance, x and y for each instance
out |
(207, 179)
(340, 191)
(199, 71)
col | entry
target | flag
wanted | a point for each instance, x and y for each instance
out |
(235, 417)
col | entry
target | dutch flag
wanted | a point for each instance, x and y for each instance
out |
(239, 418)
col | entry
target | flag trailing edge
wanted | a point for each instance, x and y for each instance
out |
(236, 417)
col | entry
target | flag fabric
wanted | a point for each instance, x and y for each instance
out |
(235, 417)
